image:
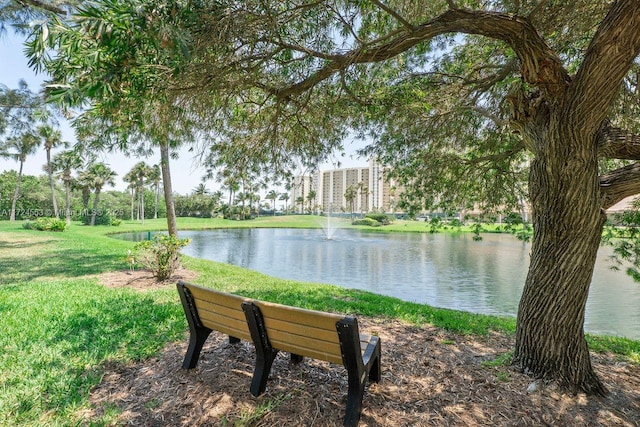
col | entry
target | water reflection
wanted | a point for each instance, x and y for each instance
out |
(443, 270)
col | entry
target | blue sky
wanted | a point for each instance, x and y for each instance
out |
(185, 173)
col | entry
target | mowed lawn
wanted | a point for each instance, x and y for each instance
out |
(59, 328)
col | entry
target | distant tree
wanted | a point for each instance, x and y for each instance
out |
(19, 148)
(140, 172)
(51, 138)
(130, 179)
(273, 196)
(300, 202)
(285, 198)
(311, 197)
(350, 195)
(65, 163)
(155, 179)
(200, 190)
(98, 175)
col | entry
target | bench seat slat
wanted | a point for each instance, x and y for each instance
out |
(220, 310)
(281, 339)
(228, 326)
(282, 326)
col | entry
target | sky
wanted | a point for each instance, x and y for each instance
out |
(185, 172)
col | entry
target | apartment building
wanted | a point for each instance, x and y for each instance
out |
(372, 191)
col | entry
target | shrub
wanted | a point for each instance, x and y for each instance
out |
(383, 219)
(101, 219)
(161, 255)
(45, 224)
(115, 222)
(366, 221)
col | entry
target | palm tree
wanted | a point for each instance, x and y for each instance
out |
(364, 194)
(51, 138)
(216, 196)
(200, 190)
(155, 179)
(99, 175)
(272, 195)
(300, 201)
(18, 148)
(311, 197)
(350, 196)
(140, 172)
(130, 179)
(65, 162)
(285, 197)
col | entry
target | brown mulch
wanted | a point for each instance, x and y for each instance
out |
(142, 280)
(430, 377)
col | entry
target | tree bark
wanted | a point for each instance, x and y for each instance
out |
(51, 186)
(94, 211)
(16, 194)
(568, 220)
(172, 227)
(67, 201)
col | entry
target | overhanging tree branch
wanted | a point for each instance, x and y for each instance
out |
(619, 184)
(43, 6)
(540, 65)
(617, 143)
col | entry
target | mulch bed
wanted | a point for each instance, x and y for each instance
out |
(429, 377)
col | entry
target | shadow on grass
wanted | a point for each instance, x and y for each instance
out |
(79, 329)
(23, 244)
(69, 263)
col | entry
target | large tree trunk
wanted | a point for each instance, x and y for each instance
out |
(172, 227)
(568, 222)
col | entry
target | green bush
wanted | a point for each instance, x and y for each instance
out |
(160, 255)
(45, 224)
(366, 221)
(115, 222)
(383, 219)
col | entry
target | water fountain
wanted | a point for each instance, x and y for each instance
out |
(329, 228)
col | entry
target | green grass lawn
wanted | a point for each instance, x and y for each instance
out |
(59, 328)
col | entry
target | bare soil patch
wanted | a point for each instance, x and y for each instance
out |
(142, 280)
(430, 377)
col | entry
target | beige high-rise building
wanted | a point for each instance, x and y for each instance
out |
(373, 192)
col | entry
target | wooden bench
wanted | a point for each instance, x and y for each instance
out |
(276, 327)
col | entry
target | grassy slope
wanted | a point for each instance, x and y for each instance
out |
(58, 326)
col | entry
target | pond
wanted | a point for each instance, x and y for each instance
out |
(442, 270)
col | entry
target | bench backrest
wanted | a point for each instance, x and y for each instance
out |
(307, 333)
(303, 332)
(220, 311)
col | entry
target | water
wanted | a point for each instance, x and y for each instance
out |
(442, 270)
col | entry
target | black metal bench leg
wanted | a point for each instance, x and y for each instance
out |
(373, 362)
(265, 353)
(350, 346)
(197, 333)
(354, 402)
(197, 339)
